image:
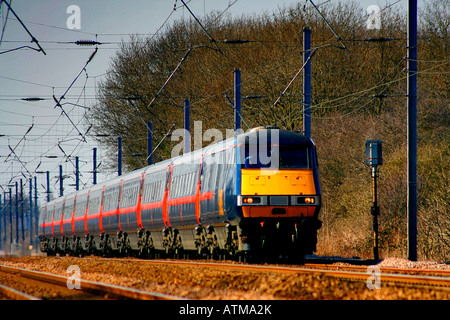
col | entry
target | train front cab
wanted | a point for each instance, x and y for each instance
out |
(279, 200)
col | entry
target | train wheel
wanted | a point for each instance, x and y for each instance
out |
(177, 245)
(232, 242)
(200, 240)
(123, 243)
(145, 244)
(90, 245)
(105, 245)
(167, 240)
(212, 243)
(53, 247)
(43, 244)
(79, 248)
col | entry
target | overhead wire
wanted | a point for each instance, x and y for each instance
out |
(63, 111)
(362, 93)
(33, 39)
(58, 101)
(52, 145)
(166, 20)
(359, 95)
(203, 28)
(331, 28)
(6, 21)
(18, 143)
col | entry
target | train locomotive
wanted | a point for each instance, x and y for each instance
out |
(254, 195)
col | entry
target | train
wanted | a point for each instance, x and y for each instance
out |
(256, 194)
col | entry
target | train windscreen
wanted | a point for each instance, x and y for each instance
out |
(277, 157)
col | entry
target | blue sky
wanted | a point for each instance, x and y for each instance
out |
(27, 73)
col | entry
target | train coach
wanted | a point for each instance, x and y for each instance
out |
(255, 194)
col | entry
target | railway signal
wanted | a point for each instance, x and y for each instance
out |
(374, 159)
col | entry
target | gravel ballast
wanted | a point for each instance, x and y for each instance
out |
(201, 282)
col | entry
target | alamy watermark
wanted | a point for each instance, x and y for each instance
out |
(74, 279)
(261, 151)
(374, 19)
(374, 280)
(74, 20)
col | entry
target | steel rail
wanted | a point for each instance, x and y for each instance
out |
(434, 272)
(87, 285)
(14, 294)
(424, 280)
(434, 281)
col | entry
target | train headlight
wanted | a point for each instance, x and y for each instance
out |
(251, 200)
(248, 200)
(309, 200)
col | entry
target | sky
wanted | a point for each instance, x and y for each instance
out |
(36, 136)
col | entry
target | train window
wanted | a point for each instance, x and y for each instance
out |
(50, 212)
(157, 190)
(80, 207)
(220, 176)
(210, 171)
(294, 157)
(173, 187)
(230, 157)
(154, 186)
(47, 215)
(153, 191)
(277, 157)
(59, 207)
(192, 182)
(94, 201)
(182, 188)
(173, 184)
(111, 198)
(260, 156)
(130, 193)
(42, 214)
(68, 208)
(205, 175)
(178, 186)
(183, 180)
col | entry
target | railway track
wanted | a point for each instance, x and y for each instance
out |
(206, 279)
(13, 294)
(412, 277)
(22, 284)
(387, 270)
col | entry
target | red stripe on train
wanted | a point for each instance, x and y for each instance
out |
(144, 206)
